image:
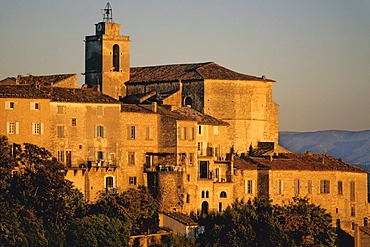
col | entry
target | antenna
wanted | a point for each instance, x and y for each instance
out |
(107, 13)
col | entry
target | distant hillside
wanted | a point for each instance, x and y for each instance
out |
(352, 146)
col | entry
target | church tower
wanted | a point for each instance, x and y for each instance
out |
(107, 57)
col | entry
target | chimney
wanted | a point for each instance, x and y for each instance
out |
(270, 157)
(154, 106)
(309, 153)
(263, 77)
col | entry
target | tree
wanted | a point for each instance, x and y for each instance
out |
(243, 224)
(135, 207)
(306, 224)
(96, 230)
(36, 202)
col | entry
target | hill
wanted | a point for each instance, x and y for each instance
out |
(352, 146)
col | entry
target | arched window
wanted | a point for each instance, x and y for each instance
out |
(223, 194)
(115, 57)
(188, 102)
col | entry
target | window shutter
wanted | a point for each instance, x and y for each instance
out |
(95, 131)
(32, 106)
(179, 130)
(41, 128)
(6, 105)
(33, 128)
(104, 130)
(17, 127)
(7, 127)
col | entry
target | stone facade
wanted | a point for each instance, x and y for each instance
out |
(176, 129)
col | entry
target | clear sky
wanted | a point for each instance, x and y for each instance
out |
(317, 51)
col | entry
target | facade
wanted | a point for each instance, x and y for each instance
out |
(182, 130)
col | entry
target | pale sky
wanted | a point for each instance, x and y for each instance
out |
(317, 51)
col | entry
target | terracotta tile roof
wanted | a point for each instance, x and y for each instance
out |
(21, 91)
(148, 108)
(78, 95)
(8, 81)
(244, 164)
(182, 218)
(55, 94)
(201, 118)
(154, 97)
(291, 161)
(365, 229)
(45, 80)
(194, 71)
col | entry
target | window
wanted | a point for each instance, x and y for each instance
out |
(69, 158)
(192, 134)
(61, 109)
(99, 131)
(131, 132)
(74, 122)
(132, 180)
(37, 128)
(187, 198)
(279, 187)
(309, 186)
(148, 133)
(352, 191)
(248, 187)
(324, 186)
(9, 105)
(223, 194)
(188, 177)
(148, 160)
(35, 106)
(60, 157)
(12, 127)
(191, 158)
(220, 206)
(60, 131)
(203, 169)
(215, 130)
(353, 211)
(109, 181)
(296, 187)
(340, 188)
(199, 129)
(131, 158)
(205, 194)
(100, 158)
(116, 58)
(200, 148)
(99, 110)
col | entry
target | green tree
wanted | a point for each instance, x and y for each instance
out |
(306, 224)
(136, 207)
(243, 224)
(96, 230)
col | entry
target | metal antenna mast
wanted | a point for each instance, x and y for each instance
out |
(107, 13)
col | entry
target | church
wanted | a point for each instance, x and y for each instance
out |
(199, 135)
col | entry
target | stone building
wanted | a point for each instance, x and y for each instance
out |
(183, 130)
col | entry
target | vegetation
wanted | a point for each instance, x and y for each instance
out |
(38, 207)
(258, 223)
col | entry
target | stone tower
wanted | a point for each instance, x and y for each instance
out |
(107, 57)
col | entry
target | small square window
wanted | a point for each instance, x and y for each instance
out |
(61, 109)
(74, 121)
(132, 180)
(9, 105)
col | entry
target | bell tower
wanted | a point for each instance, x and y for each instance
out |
(107, 57)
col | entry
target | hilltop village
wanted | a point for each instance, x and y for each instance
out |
(199, 134)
